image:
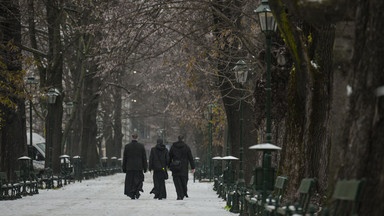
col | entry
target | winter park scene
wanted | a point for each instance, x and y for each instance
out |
(203, 107)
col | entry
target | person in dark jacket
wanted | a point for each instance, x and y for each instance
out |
(180, 152)
(158, 162)
(134, 163)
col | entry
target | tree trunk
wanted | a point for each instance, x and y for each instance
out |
(305, 147)
(357, 144)
(54, 75)
(89, 153)
(118, 138)
(12, 104)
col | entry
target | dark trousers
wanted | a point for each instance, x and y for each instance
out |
(133, 183)
(180, 183)
(159, 184)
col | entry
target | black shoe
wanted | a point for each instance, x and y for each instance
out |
(137, 196)
(186, 195)
(178, 198)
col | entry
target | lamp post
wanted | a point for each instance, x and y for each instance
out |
(68, 109)
(216, 173)
(267, 150)
(228, 177)
(210, 113)
(99, 123)
(241, 73)
(31, 82)
(25, 173)
(268, 26)
(197, 173)
(51, 95)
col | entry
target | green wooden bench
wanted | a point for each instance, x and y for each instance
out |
(49, 180)
(23, 187)
(256, 204)
(29, 183)
(248, 194)
(345, 198)
(8, 190)
(301, 207)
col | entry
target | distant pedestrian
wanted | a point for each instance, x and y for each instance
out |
(158, 162)
(134, 164)
(180, 156)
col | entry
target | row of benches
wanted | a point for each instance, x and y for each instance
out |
(251, 202)
(30, 185)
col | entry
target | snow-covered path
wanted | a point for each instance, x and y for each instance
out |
(104, 196)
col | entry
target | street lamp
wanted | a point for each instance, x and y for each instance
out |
(31, 82)
(217, 172)
(268, 26)
(51, 96)
(99, 123)
(241, 73)
(267, 150)
(210, 113)
(68, 109)
(228, 177)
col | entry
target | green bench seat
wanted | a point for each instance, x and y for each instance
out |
(301, 207)
(345, 198)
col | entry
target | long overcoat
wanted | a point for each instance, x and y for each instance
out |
(134, 164)
(134, 157)
(181, 151)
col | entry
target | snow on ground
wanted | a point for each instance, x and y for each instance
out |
(104, 196)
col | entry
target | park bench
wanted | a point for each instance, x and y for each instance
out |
(30, 182)
(65, 169)
(256, 204)
(301, 207)
(248, 194)
(48, 179)
(345, 198)
(24, 186)
(66, 175)
(254, 191)
(8, 190)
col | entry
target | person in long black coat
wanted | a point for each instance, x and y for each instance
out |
(158, 162)
(134, 164)
(181, 152)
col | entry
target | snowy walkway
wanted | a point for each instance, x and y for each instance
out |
(104, 196)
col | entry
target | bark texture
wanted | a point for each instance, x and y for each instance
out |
(12, 102)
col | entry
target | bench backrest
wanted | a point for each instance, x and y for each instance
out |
(280, 185)
(3, 177)
(18, 175)
(258, 180)
(346, 196)
(306, 190)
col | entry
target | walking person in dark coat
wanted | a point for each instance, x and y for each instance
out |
(181, 153)
(134, 163)
(158, 162)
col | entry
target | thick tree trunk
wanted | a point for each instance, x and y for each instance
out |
(357, 147)
(118, 138)
(12, 108)
(54, 76)
(305, 148)
(89, 153)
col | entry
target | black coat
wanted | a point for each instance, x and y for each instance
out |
(180, 151)
(159, 158)
(134, 157)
